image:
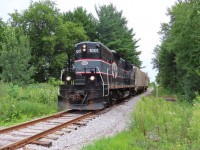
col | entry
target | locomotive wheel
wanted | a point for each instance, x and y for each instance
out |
(112, 98)
(107, 100)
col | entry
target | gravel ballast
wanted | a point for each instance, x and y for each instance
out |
(107, 124)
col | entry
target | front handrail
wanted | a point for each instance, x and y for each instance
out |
(101, 80)
(108, 82)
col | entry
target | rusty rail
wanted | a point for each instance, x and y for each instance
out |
(19, 126)
(25, 141)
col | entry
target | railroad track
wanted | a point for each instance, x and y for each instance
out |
(36, 131)
(39, 131)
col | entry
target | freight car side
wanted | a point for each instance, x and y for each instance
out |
(141, 80)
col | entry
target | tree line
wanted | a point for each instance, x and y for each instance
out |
(34, 43)
(177, 58)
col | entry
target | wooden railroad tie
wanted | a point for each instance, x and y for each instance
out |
(25, 148)
(72, 127)
(66, 130)
(51, 137)
(43, 143)
(82, 123)
(58, 133)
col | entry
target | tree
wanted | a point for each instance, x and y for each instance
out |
(67, 35)
(155, 60)
(2, 28)
(113, 32)
(15, 57)
(43, 23)
(164, 60)
(39, 22)
(87, 20)
(178, 56)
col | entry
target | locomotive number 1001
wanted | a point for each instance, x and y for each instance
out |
(94, 50)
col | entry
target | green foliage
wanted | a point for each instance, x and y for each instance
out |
(113, 32)
(2, 28)
(3, 89)
(194, 128)
(177, 58)
(162, 92)
(19, 104)
(158, 124)
(161, 118)
(54, 82)
(86, 20)
(119, 142)
(15, 57)
(39, 22)
(155, 60)
(68, 34)
(50, 38)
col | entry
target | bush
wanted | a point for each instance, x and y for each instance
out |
(194, 125)
(19, 104)
(163, 119)
(158, 124)
(54, 82)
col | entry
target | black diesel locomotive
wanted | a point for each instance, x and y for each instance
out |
(98, 78)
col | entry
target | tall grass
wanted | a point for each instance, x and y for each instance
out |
(163, 124)
(120, 142)
(158, 124)
(194, 125)
(18, 104)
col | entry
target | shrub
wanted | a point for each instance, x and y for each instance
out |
(194, 125)
(156, 124)
(19, 104)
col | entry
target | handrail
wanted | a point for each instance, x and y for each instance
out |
(102, 80)
(107, 82)
(61, 74)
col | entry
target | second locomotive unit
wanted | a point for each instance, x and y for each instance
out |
(98, 78)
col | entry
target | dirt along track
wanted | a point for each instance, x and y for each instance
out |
(113, 121)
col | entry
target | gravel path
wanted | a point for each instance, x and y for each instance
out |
(108, 124)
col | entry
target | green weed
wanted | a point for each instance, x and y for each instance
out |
(120, 142)
(194, 125)
(158, 124)
(19, 104)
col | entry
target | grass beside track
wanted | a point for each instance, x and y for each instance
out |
(19, 104)
(158, 124)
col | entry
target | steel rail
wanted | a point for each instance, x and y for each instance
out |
(28, 140)
(19, 126)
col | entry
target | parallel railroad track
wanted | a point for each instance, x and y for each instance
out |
(32, 132)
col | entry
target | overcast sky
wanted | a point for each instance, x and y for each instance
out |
(144, 16)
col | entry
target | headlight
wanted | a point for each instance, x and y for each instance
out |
(84, 48)
(68, 78)
(92, 78)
